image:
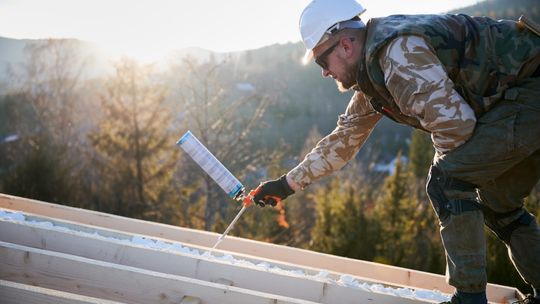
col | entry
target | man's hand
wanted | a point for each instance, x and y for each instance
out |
(273, 191)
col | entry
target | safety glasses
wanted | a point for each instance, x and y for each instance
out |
(321, 59)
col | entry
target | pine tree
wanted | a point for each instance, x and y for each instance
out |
(342, 226)
(44, 160)
(420, 154)
(134, 145)
(393, 210)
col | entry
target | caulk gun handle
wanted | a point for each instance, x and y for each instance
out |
(249, 198)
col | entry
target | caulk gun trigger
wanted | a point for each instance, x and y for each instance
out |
(249, 198)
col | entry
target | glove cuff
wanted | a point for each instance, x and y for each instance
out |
(285, 184)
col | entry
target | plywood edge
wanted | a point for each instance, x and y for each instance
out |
(16, 293)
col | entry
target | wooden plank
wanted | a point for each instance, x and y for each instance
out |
(390, 275)
(199, 267)
(98, 279)
(16, 293)
(190, 300)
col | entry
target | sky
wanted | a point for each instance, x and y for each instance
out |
(149, 29)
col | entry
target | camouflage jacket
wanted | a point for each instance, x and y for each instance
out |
(481, 56)
(412, 84)
(340, 146)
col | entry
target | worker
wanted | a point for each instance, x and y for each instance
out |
(473, 83)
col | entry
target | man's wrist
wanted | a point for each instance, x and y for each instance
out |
(292, 184)
(285, 186)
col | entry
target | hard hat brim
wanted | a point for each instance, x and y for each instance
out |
(308, 56)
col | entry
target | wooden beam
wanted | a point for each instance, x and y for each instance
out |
(16, 293)
(115, 282)
(190, 300)
(390, 275)
(194, 266)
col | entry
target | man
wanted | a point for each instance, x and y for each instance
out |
(474, 84)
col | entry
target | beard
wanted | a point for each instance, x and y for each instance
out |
(349, 80)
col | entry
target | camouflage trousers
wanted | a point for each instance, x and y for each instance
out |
(502, 160)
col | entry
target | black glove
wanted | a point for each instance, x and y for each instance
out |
(273, 191)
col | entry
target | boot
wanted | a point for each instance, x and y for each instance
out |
(469, 298)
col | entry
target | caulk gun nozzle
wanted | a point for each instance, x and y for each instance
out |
(217, 243)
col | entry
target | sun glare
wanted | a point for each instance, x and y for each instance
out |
(143, 30)
(149, 30)
(149, 52)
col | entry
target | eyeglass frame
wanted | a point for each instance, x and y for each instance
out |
(321, 59)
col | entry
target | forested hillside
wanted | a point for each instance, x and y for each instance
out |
(503, 9)
(105, 140)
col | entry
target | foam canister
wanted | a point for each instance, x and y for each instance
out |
(210, 164)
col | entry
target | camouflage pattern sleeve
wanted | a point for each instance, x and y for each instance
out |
(419, 84)
(333, 151)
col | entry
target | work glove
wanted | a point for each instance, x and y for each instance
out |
(273, 191)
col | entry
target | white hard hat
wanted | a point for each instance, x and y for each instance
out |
(320, 15)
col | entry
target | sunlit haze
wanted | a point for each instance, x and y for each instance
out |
(149, 29)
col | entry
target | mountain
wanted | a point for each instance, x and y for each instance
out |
(503, 9)
(11, 52)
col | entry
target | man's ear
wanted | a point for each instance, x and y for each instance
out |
(347, 45)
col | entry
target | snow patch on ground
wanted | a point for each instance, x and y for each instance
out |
(344, 280)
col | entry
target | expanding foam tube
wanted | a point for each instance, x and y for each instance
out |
(210, 164)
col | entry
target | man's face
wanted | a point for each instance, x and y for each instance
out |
(334, 61)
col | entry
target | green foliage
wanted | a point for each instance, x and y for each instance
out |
(407, 225)
(262, 224)
(342, 226)
(16, 118)
(420, 154)
(396, 211)
(300, 208)
(503, 9)
(269, 224)
(40, 174)
(134, 150)
(41, 163)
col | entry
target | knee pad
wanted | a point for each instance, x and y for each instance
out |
(440, 184)
(502, 225)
